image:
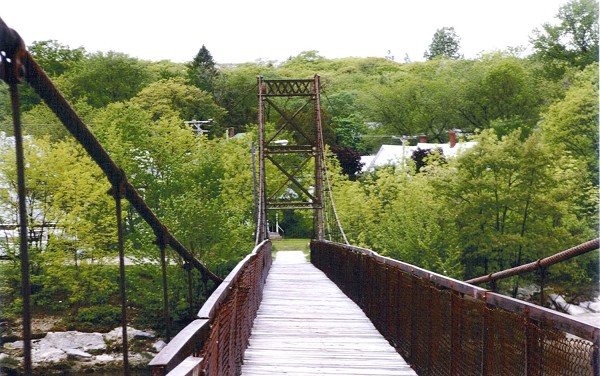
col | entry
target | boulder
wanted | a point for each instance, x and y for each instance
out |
(117, 333)
(73, 340)
(159, 345)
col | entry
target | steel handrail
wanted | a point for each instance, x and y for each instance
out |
(193, 340)
(580, 249)
(437, 322)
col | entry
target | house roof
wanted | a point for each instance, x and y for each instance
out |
(400, 154)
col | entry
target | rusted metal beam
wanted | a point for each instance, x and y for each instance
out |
(284, 183)
(290, 205)
(290, 177)
(290, 149)
(287, 88)
(314, 145)
(288, 120)
(580, 249)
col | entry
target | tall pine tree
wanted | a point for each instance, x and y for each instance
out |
(202, 71)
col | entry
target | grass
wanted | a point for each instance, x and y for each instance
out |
(292, 245)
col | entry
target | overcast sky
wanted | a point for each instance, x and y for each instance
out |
(237, 31)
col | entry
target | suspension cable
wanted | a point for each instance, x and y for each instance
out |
(335, 214)
(326, 173)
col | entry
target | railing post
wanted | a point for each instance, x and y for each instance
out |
(488, 341)
(534, 347)
(163, 262)
(543, 272)
(12, 79)
(117, 193)
(455, 333)
(596, 360)
(190, 282)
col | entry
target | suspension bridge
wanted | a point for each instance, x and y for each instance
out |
(349, 311)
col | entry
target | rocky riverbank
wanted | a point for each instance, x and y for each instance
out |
(72, 352)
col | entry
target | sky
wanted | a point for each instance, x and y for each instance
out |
(238, 31)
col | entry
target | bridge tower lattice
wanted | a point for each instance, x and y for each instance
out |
(290, 141)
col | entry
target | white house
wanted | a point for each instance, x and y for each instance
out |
(401, 154)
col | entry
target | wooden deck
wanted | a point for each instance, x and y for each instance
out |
(307, 326)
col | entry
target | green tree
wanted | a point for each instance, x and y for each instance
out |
(424, 99)
(202, 71)
(445, 43)
(71, 221)
(502, 92)
(104, 78)
(172, 97)
(571, 43)
(415, 226)
(56, 58)
(572, 123)
(512, 204)
(236, 91)
(358, 212)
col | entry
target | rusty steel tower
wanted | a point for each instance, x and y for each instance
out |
(290, 138)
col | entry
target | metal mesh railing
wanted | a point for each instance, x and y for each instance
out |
(215, 343)
(443, 326)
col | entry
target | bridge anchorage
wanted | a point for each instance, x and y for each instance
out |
(288, 317)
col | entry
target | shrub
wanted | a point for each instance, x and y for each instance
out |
(100, 318)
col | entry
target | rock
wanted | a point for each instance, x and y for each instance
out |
(78, 354)
(50, 355)
(85, 351)
(140, 334)
(594, 305)
(73, 340)
(527, 292)
(159, 345)
(105, 358)
(17, 345)
(559, 302)
(117, 333)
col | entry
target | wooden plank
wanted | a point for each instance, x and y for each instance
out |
(307, 326)
(189, 367)
(179, 348)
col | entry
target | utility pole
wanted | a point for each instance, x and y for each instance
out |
(197, 126)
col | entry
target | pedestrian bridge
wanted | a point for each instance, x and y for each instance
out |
(349, 311)
(432, 325)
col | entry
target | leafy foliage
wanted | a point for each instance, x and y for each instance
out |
(445, 43)
(572, 123)
(202, 71)
(573, 42)
(104, 78)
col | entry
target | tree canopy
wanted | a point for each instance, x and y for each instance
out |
(571, 43)
(445, 43)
